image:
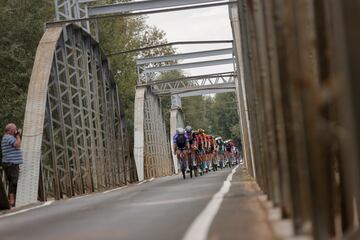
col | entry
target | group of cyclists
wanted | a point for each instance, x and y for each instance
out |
(199, 153)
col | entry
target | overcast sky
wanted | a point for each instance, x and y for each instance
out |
(196, 25)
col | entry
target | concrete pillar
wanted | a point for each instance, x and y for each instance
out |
(139, 141)
(176, 121)
(151, 145)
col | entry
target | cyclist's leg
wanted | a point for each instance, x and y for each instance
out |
(189, 161)
(182, 161)
(183, 166)
(202, 161)
(193, 161)
(221, 162)
(215, 161)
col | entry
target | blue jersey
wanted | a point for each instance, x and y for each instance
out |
(181, 140)
(9, 152)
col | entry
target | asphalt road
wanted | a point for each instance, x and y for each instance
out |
(161, 209)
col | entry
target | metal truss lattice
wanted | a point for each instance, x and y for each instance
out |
(151, 147)
(73, 9)
(84, 144)
(157, 157)
(196, 82)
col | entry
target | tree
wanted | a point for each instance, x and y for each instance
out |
(21, 29)
(22, 25)
(216, 114)
(122, 34)
(166, 100)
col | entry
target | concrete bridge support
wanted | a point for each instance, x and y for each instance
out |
(151, 145)
(176, 121)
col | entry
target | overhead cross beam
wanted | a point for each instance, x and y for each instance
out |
(191, 92)
(189, 65)
(225, 80)
(95, 12)
(144, 6)
(147, 67)
(211, 78)
(209, 53)
(169, 44)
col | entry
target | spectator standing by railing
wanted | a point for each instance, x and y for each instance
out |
(12, 158)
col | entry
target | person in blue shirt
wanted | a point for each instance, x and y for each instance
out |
(12, 158)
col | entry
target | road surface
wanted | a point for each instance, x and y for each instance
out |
(162, 209)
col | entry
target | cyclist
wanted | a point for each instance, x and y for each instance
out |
(214, 150)
(209, 152)
(227, 149)
(200, 140)
(191, 157)
(181, 144)
(220, 144)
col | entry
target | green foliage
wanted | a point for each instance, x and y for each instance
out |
(122, 34)
(216, 114)
(166, 100)
(21, 29)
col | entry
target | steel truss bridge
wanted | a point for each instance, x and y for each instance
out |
(296, 78)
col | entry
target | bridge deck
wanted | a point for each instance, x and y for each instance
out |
(161, 209)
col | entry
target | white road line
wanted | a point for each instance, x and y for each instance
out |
(112, 190)
(140, 183)
(200, 227)
(27, 209)
(79, 197)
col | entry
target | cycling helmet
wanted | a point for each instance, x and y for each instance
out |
(180, 131)
(188, 129)
(201, 131)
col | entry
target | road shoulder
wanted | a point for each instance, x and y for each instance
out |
(241, 213)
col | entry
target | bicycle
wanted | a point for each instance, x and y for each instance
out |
(182, 161)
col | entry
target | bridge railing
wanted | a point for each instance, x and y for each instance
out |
(299, 88)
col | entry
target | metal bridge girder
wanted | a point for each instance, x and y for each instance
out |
(73, 9)
(74, 138)
(143, 5)
(191, 55)
(204, 91)
(189, 65)
(195, 82)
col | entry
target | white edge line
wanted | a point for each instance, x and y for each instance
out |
(142, 182)
(112, 190)
(200, 226)
(79, 197)
(48, 203)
